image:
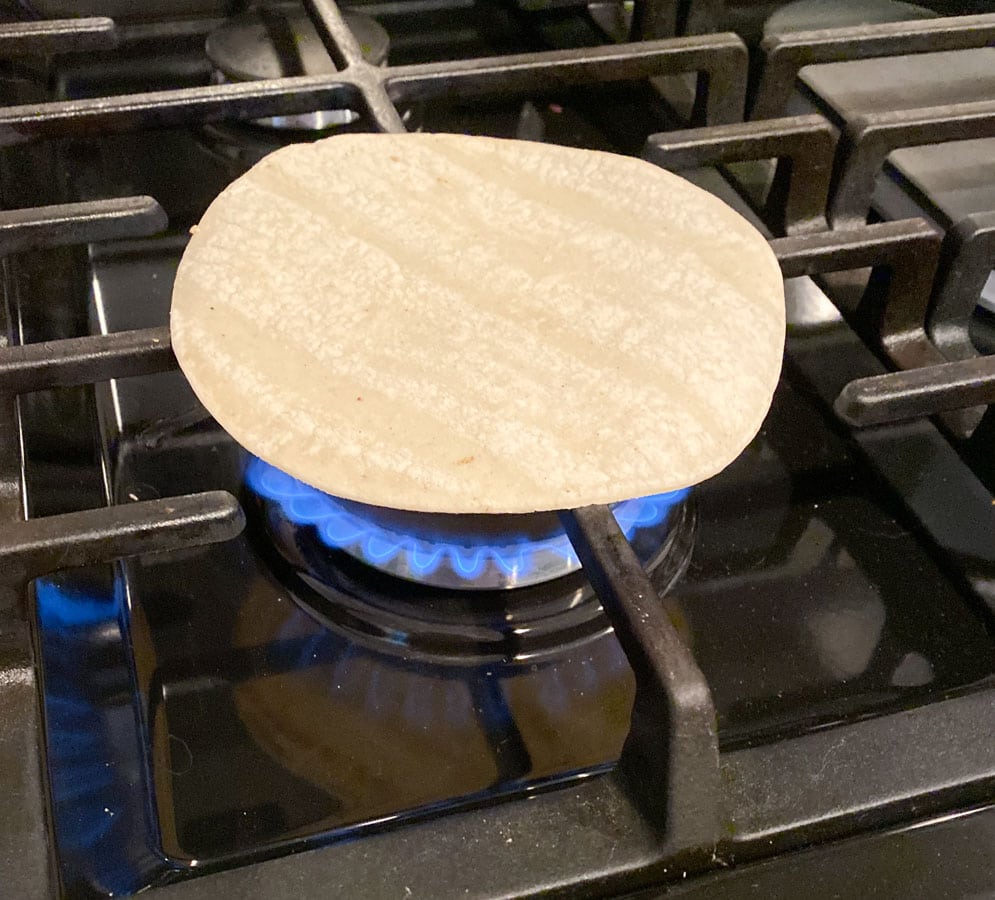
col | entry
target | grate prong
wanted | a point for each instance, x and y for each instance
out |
(38, 546)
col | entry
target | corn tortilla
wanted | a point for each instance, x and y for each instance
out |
(457, 324)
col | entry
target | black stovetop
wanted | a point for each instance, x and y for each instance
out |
(199, 717)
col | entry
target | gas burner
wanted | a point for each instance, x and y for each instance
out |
(467, 552)
(280, 41)
(435, 588)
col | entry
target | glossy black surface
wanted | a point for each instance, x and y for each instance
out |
(808, 602)
(812, 599)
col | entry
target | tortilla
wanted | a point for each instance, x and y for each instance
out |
(457, 324)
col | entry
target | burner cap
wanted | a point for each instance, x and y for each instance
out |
(281, 42)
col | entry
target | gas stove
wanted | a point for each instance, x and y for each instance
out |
(215, 681)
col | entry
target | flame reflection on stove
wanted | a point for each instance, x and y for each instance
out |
(98, 815)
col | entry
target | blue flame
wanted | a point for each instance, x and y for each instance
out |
(343, 528)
